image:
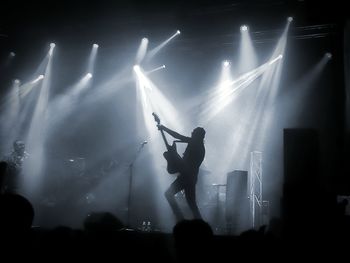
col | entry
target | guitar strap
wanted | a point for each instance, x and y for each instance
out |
(179, 141)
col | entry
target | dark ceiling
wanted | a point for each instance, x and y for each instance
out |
(203, 16)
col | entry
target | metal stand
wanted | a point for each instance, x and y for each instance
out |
(131, 165)
(255, 189)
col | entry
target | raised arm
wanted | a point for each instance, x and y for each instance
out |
(175, 134)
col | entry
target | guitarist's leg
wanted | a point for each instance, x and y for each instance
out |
(190, 193)
(174, 188)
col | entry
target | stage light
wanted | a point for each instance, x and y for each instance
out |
(17, 81)
(244, 28)
(95, 46)
(136, 67)
(89, 75)
(40, 77)
(155, 50)
(328, 55)
(52, 46)
(226, 63)
(275, 59)
(142, 50)
(290, 19)
(153, 70)
(12, 54)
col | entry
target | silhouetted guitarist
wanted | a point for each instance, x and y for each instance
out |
(188, 172)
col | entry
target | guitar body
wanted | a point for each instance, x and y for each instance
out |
(174, 160)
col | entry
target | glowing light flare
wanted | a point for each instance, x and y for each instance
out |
(40, 77)
(328, 55)
(154, 51)
(52, 47)
(290, 19)
(143, 80)
(81, 84)
(152, 100)
(136, 68)
(228, 90)
(92, 59)
(247, 59)
(156, 69)
(141, 52)
(244, 28)
(276, 59)
(225, 77)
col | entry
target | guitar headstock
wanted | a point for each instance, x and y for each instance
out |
(156, 118)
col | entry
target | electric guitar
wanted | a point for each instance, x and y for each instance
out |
(174, 160)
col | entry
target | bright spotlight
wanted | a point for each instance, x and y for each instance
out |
(12, 54)
(328, 55)
(280, 56)
(244, 28)
(145, 39)
(136, 67)
(95, 46)
(89, 75)
(17, 81)
(178, 32)
(52, 45)
(153, 70)
(290, 19)
(40, 77)
(226, 63)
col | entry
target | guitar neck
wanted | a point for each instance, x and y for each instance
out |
(165, 140)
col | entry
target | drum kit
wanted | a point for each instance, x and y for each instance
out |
(76, 181)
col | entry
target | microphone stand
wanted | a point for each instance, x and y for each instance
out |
(131, 165)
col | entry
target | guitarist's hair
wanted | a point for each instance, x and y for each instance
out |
(199, 133)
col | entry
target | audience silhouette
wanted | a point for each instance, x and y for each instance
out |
(193, 240)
